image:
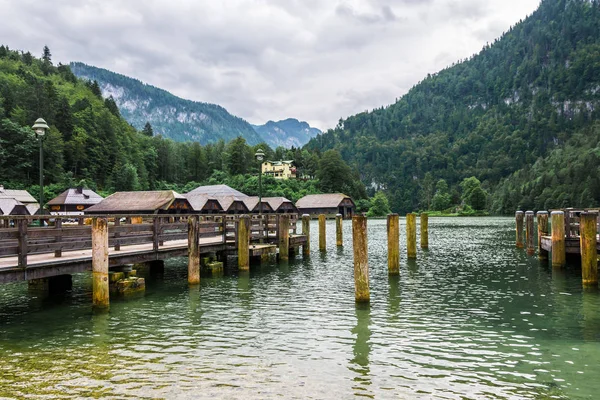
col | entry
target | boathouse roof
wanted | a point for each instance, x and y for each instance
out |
(76, 196)
(22, 196)
(278, 203)
(322, 200)
(141, 202)
(217, 190)
(200, 202)
(232, 203)
(10, 206)
(252, 204)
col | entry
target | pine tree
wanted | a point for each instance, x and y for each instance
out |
(148, 131)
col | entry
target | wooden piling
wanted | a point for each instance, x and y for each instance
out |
(589, 255)
(322, 233)
(306, 232)
(542, 230)
(558, 239)
(393, 237)
(361, 265)
(100, 284)
(243, 240)
(529, 237)
(411, 235)
(519, 219)
(193, 251)
(424, 230)
(338, 230)
(284, 237)
(58, 227)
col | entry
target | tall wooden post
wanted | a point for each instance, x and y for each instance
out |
(559, 257)
(519, 220)
(411, 235)
(393, 237)
(322, 233)
(338, 230)
(529, 239)
(58, 227)
(243, 239)
(589, 255)
(306, 232)
(424, 230)
(22, 243)
(361, 264)
(284, 237)
(193, 250)
(542, 229)
(100, 296)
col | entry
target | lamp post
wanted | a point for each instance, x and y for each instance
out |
(260, 155)
(40, 128)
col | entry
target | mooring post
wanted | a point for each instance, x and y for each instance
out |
(22, 242)
(117, 234)
(361, 264)
(306, 232)
(100, 285)
(424, 230)
(529, 239)
(284, 237)
(519, 219)
(542, 229)
(243, 239)
(193, 250)
(559, 256)
(322, 233)
(338, 230)
(58, 227)
(411, 235)
(589, 255)
(393, 237)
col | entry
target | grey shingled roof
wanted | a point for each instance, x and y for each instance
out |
(73, 196)
(322, 200)
(20, 195)
(276, 202)
(10, 206)
(136, 201)
(252, 204)
(198, 201)
(217, 190)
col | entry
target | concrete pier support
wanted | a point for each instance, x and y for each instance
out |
(529, 230)
(393, 237)
(542, 230)
(322, 233)
(243, 240)
(589, 255)
(424, 230)
(339, 225)
(519, 230)
(558, 239)
(284, 237)
(361, 264)
(51, 285)
(193, 251)
(411, 235)
(306, 232)
(100, 287)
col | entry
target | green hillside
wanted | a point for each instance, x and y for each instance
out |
(521, 116)
(170, 116)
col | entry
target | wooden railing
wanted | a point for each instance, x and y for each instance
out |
(572, 220)
(21, 236)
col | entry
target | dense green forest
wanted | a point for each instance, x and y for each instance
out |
(521, 117)
(89, 142)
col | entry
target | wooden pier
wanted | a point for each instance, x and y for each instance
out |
(63, 245)
(571, 237)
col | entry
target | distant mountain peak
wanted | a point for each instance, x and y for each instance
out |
(288, 133)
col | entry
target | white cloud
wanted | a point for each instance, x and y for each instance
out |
(266, 59)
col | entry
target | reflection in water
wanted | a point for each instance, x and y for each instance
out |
(413, 267)
(590, 311)
(361, 350)
(394, 296)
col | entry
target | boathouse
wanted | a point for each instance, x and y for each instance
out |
(204, 204)
(253, 205)
(23, 197)
(9, 206)
(73, 201)
(233, 204)
(281, 205)
(328, 204)
(150, 202)
(217, 191)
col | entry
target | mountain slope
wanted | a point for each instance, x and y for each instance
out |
(170, 116)
(287, 133)
(533, 94)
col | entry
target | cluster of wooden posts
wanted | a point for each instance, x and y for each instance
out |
(359, 242)
(562, 227)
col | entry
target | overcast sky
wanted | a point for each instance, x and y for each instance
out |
(315, 60)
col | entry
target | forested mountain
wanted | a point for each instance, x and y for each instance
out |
(91, 144)
(170, 116)
(286, 133)
(521, 116)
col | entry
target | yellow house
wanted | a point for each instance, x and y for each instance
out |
(279, 169)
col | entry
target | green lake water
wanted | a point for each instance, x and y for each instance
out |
(473, 317)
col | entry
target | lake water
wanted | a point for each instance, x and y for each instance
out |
(473, 317)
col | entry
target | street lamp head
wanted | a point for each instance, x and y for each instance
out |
(40, 127)
(260, 155)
